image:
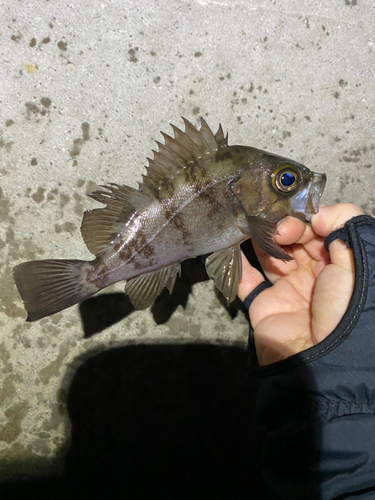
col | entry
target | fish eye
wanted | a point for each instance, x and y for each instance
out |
(285, 178)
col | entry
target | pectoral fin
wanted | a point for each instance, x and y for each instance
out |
(144, 289)
(225, 268)
(263, 233)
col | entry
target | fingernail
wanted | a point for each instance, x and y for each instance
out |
(281, 221)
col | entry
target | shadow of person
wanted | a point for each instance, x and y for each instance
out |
(162, 421)
(168, 422)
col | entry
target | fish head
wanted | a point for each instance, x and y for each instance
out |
(299, 190)
(273, 187)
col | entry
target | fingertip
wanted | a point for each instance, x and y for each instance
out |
(333, 217)
(289, 230)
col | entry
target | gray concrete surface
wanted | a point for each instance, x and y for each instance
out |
(85, 89)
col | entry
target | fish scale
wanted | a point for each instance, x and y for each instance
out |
(199, 196)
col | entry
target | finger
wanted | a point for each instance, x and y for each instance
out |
(341, 255)
(250, 279)
(272, 267)
(290, 230)
(333, 217)
(314, 247)
(333, 291)
(294, 232)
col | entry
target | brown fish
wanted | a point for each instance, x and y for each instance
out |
(199, 196)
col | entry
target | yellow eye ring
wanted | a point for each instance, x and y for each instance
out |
(285, 178)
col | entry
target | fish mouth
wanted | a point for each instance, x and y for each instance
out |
(317, 185)
(307, 204)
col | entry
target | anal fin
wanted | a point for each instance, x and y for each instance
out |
(144, 289)
(225, 268)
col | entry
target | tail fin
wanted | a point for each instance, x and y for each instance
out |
(48, 286)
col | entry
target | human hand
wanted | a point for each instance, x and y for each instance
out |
(310, 294)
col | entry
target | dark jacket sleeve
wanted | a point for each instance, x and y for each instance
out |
(316, 410)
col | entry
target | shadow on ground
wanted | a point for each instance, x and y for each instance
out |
(102, 311)
(154, 421)
(157, 421)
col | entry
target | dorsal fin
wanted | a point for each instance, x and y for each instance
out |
(101, 225)
(220, 139)
(180, 151)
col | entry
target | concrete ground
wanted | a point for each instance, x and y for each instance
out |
(86, 88)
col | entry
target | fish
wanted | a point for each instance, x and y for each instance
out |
(199, 196)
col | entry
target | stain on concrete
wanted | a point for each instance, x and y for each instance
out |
(6, 145)
(7, 389)
(38, 196)
(16, 38)
(85, 131)
(34, 162)
(53, 368)
(46, 40)
(25, 248)
(78, 143)
(7, 366)
(343, 83)
(31, 108)
(91, 186)
(11, 302)
(9, 123)
(40, 447)
(46, 102)
(183, 326)
(336, 95)
(350, 3)
(44, 435)
(62, 45)
(64, 199)
(32, 42)
(132, 55)
(14, 415)
(78, 209)
(157, 79)
(68, 227)
(195, 110)
(353, 156)
(14, 251)
(30, 68)
(197, 54)
(77, 146)
(4, 206)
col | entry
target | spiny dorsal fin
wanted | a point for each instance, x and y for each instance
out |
(180, 151)
(101, 225)
(220, 139)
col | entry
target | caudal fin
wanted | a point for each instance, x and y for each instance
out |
(49, 286)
